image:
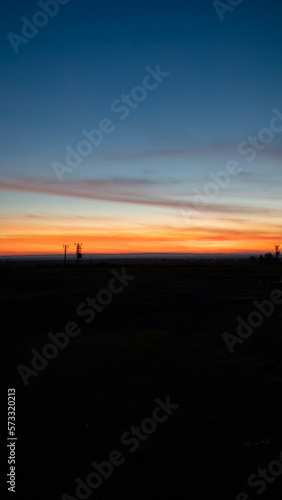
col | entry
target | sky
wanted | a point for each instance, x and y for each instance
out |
(151, 127)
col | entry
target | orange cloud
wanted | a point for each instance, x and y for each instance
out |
(225, 228)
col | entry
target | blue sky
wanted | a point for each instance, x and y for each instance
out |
(224, 81)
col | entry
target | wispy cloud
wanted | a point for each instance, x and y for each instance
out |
(130, 191)
(191, 150)
(114, 190)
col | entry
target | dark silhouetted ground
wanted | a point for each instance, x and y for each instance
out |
(161, 336)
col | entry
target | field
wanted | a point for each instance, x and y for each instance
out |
(160, 336)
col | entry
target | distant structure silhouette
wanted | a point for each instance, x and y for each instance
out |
(78, 252)
(65, 247)
(277, 251)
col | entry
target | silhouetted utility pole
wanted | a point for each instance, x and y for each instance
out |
(65, 248)
(277, 251)
(78, 251)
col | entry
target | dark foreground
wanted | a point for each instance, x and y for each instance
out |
(160, 339)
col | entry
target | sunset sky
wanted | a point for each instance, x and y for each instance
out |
(206, 89)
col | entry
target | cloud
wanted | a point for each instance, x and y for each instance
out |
(128, 191)
(195, 149)
(114, 190)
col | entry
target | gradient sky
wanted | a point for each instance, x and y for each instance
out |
(224, 81)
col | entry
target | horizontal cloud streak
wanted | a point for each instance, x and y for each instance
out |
(114, 191)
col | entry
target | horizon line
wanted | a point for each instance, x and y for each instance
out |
(136, 254)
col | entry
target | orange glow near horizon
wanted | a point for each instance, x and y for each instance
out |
(113, 217)
(49, 240)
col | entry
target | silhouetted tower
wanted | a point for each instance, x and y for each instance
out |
(78, 251)
(65, 247)
(277, 251)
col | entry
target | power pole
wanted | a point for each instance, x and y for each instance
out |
(65, 248)
(78, 252)
(277, 251)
